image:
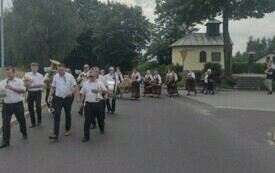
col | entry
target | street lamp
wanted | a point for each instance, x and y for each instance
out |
(2, 41)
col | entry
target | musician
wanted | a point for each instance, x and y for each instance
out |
(81, 79)
(91, 93)
(120, 78)
(48, 81)
(172, 79)
(136, 79)
(64, 86)
(111, 78)
(269, 77)
(190, 82)
(102, 72)
(13, 88)
(156, 90)
(119, 74)
(148, 79)
(102, 102)
(34, 88)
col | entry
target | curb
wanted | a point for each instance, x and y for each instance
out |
(14, 122)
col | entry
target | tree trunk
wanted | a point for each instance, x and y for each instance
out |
(227, 46)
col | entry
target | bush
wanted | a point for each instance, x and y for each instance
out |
(230, 82)
(242, 67)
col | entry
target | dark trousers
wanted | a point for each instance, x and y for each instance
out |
(8, 110)
(35, 97)
(109, 107)
(93, 111)
(60, 103)
(103, 107)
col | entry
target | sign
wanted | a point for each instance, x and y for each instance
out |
(77, 71)
(47, 69)
(183, 55)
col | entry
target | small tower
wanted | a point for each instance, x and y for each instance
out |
(213, 27)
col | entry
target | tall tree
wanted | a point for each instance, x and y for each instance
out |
(165, 32)
(196, 11)
(40, 30)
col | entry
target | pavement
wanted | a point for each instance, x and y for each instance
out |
(234, 99)
(177, 134)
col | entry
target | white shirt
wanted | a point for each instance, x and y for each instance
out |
(192, 75)
(103, 80)
(206, 79)
(110, 77)
(176, 77)
(149, 76)
(93, 91)
(63, 84)
(136, 77)
(12, 96)
(120, 76)
(159, 78)
(37, 79)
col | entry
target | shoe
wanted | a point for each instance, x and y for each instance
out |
(32, 126)
(112, 112)
(188, 94)
(38, 123)
(85, 140)
(80, 112)
(93, 127)
(269, 93)
(5, 144)
(54, 137)
(108, 112)
(102, 132)
(68, 133)
(25, 136)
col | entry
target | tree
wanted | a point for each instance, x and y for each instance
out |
(196, 11)
(165, 32)
(40, 30)
(115, 34)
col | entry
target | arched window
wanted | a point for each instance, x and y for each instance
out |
(203, 57)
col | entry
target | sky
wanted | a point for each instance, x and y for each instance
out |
(240, 31)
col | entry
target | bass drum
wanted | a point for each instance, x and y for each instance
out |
(112, 89)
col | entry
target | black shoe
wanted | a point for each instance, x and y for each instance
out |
(112, 112)
(108, 112)
(85, 140)
(54, 137)
(102, 132)
(269, 93)
(38, 123)
(93, 127)
(32, 126)
(5, 144)
(80, 112)
(25, 136)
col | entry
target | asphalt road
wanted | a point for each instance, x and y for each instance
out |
(151, 136)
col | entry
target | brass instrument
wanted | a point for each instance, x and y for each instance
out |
(83, 75)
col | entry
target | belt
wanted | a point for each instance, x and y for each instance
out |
(13, 103)
(91, 102)
(35, 91)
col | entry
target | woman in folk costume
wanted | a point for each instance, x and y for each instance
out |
(120, 78)
(190, 82)
(172, 79)
(136, 78)
(148, 79)
(156, 90)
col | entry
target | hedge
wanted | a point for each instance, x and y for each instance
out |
(239, 68)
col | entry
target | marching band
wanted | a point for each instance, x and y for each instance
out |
(96, 93)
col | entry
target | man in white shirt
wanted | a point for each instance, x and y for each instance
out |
(92, 93)
(35, 87)
(64, 86)
(112, 79)
(13, 88)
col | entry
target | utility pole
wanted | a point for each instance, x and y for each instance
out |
(2, 41)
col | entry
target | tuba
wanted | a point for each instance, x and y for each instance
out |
(52, 72)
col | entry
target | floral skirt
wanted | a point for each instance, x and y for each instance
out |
(172, 87)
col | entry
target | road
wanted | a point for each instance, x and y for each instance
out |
(152, 135)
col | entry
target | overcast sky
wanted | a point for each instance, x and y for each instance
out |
(239, 30)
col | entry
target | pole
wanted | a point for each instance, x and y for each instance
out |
(2, 41)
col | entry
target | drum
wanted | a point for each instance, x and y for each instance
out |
(112, 89)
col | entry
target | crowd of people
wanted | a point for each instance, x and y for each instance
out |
(94, 90)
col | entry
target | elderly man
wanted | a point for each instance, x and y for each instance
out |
(64, 86)
(111, 78)
(35, 88)
(92, 92)
(13, 88)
